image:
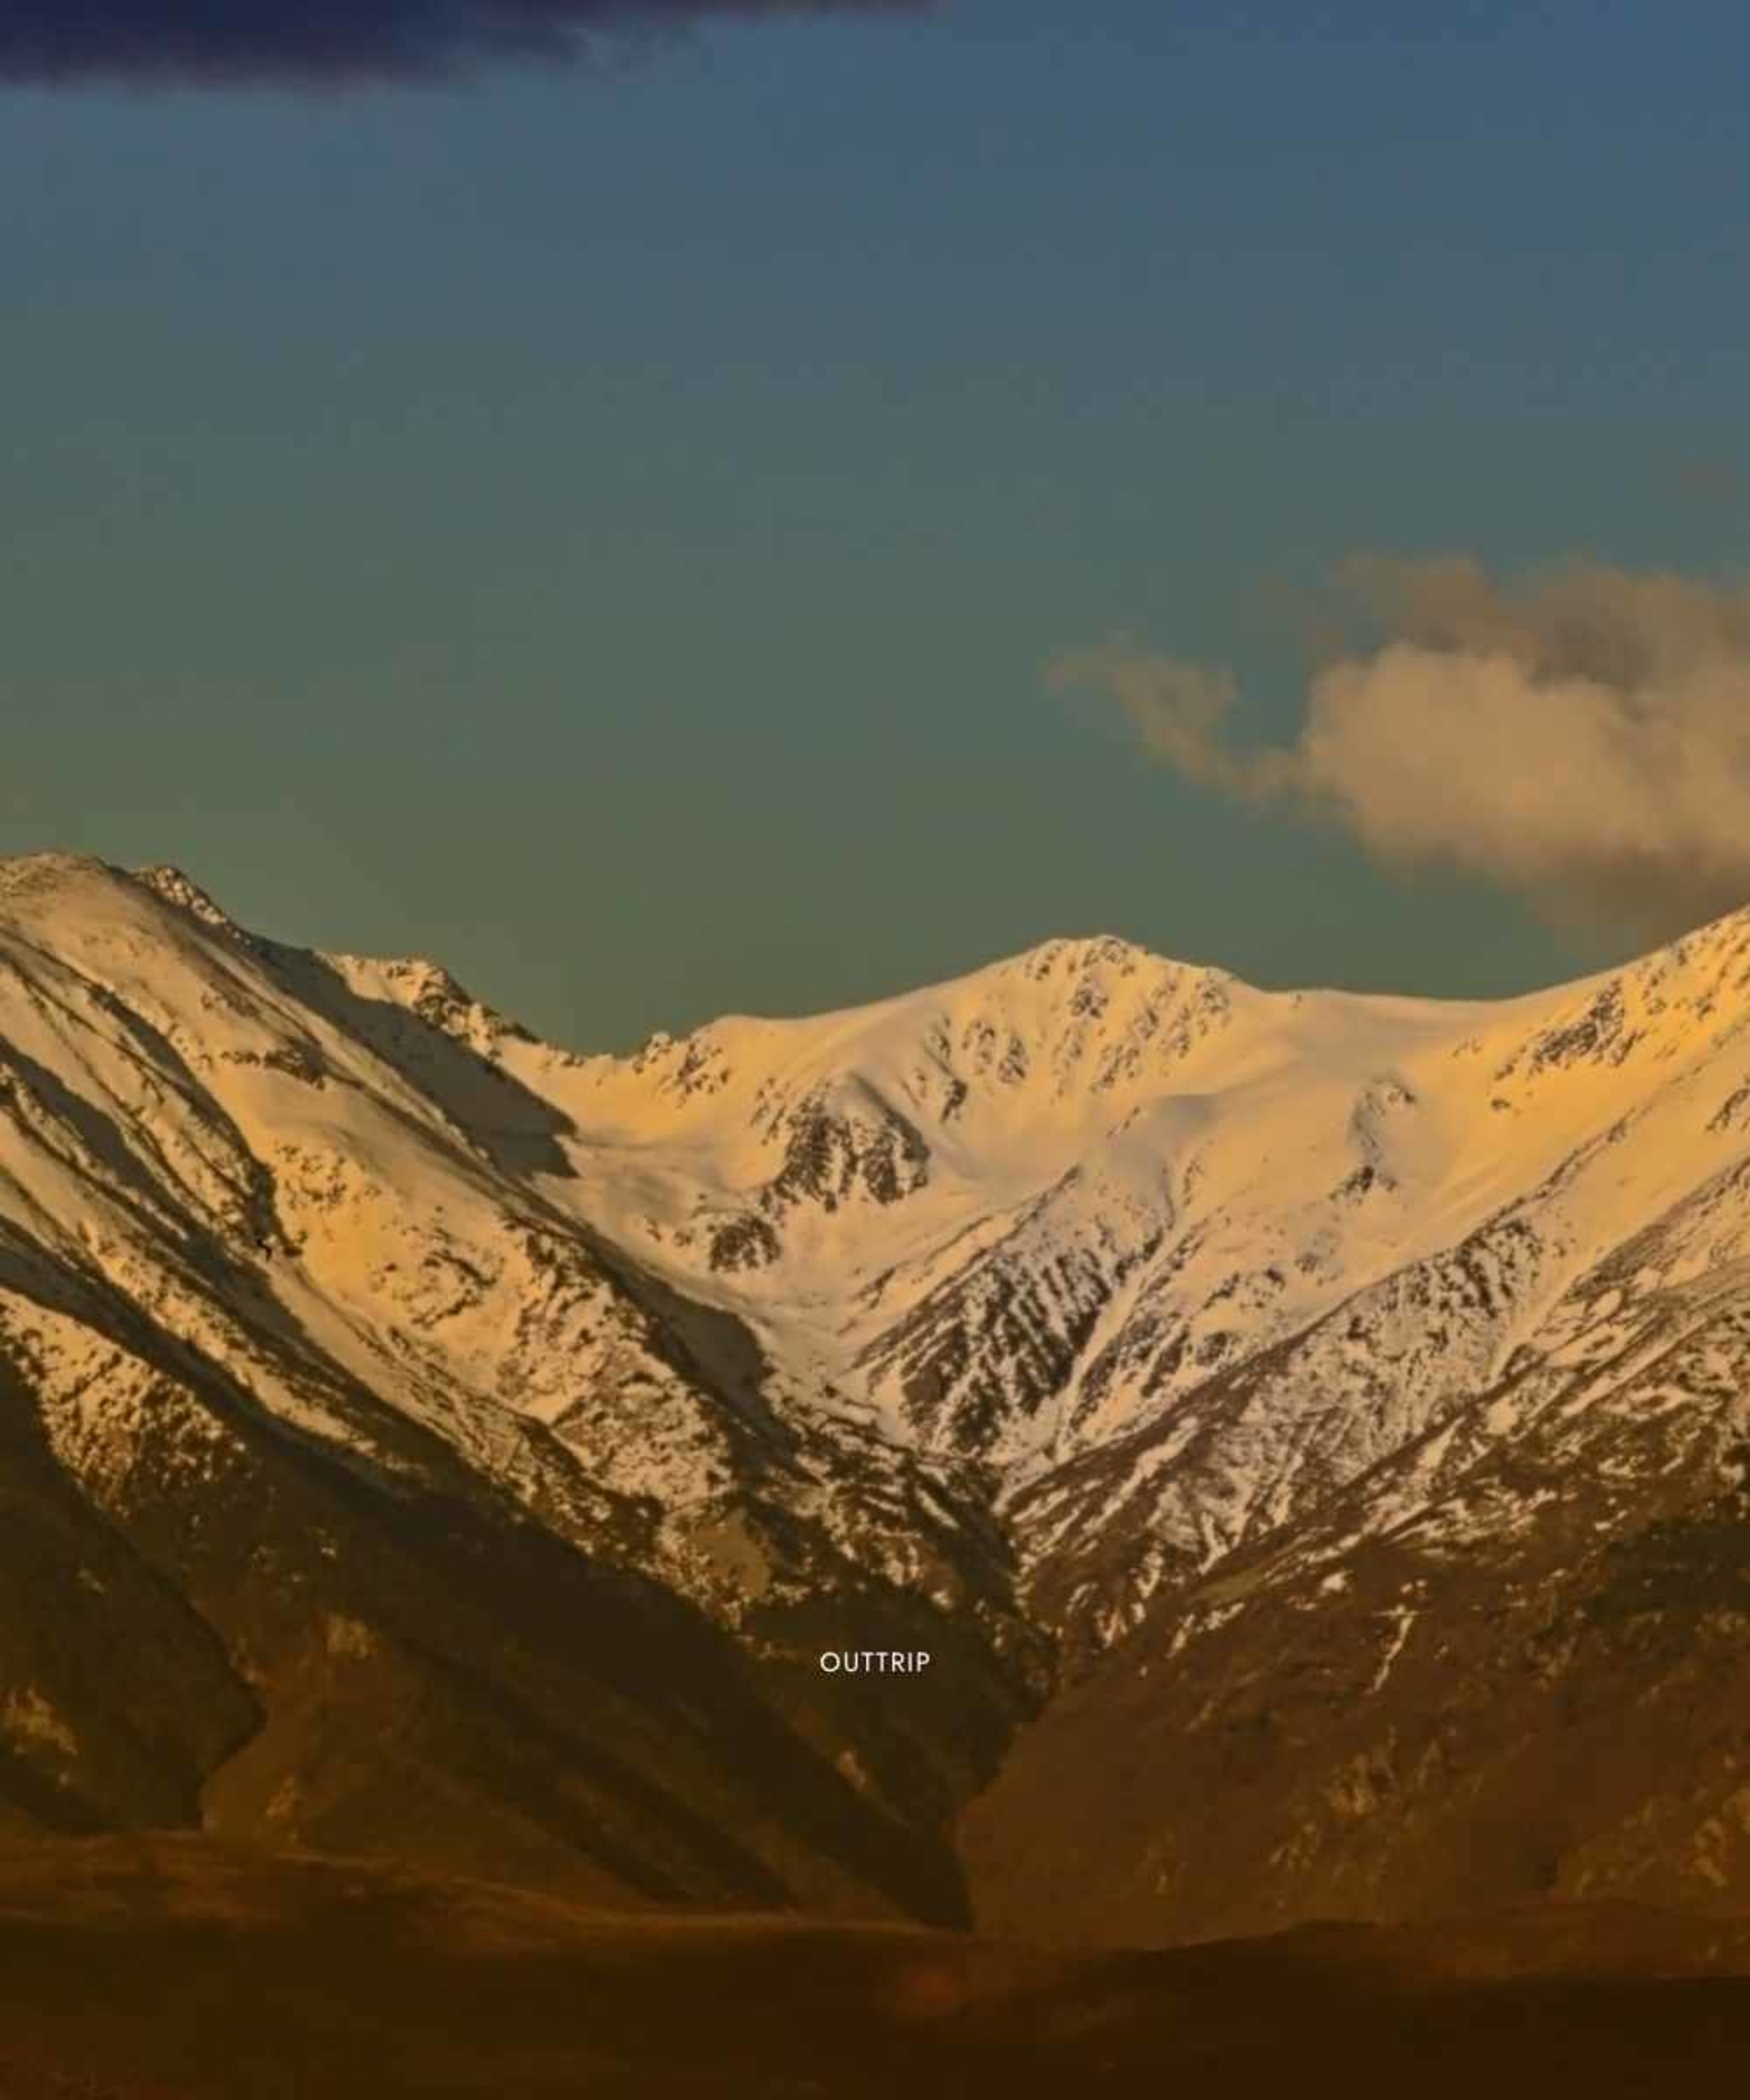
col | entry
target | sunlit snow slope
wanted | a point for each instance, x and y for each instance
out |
(1163, 1250)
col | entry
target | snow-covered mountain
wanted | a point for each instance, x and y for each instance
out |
(480, 1441)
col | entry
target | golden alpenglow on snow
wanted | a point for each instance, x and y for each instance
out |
(874, 1051)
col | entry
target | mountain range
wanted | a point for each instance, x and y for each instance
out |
(1308, 1432)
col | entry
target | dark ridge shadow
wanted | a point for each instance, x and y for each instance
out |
(164, 1065)
(713, 1350)
(518, 1131)
(395, 1439)
(569, 1756)
(547, 1615)
(151, 1205)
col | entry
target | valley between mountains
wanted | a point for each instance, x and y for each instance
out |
(1310, 1433)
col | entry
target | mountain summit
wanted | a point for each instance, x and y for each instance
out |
(1308, 1431)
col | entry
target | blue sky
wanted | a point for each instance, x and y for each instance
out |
(607, 527)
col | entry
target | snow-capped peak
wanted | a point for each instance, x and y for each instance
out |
(186, 895)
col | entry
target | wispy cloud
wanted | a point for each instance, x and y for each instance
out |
(1582, 736)
(319, 44)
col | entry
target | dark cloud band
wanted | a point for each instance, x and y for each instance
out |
(318, 42)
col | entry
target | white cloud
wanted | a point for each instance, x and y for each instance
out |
(1583, 737)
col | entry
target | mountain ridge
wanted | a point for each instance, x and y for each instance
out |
(1075, 1320)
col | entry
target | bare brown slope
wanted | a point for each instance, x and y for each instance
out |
(1534, 1687)
(283, 1644)
(130, 1967)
